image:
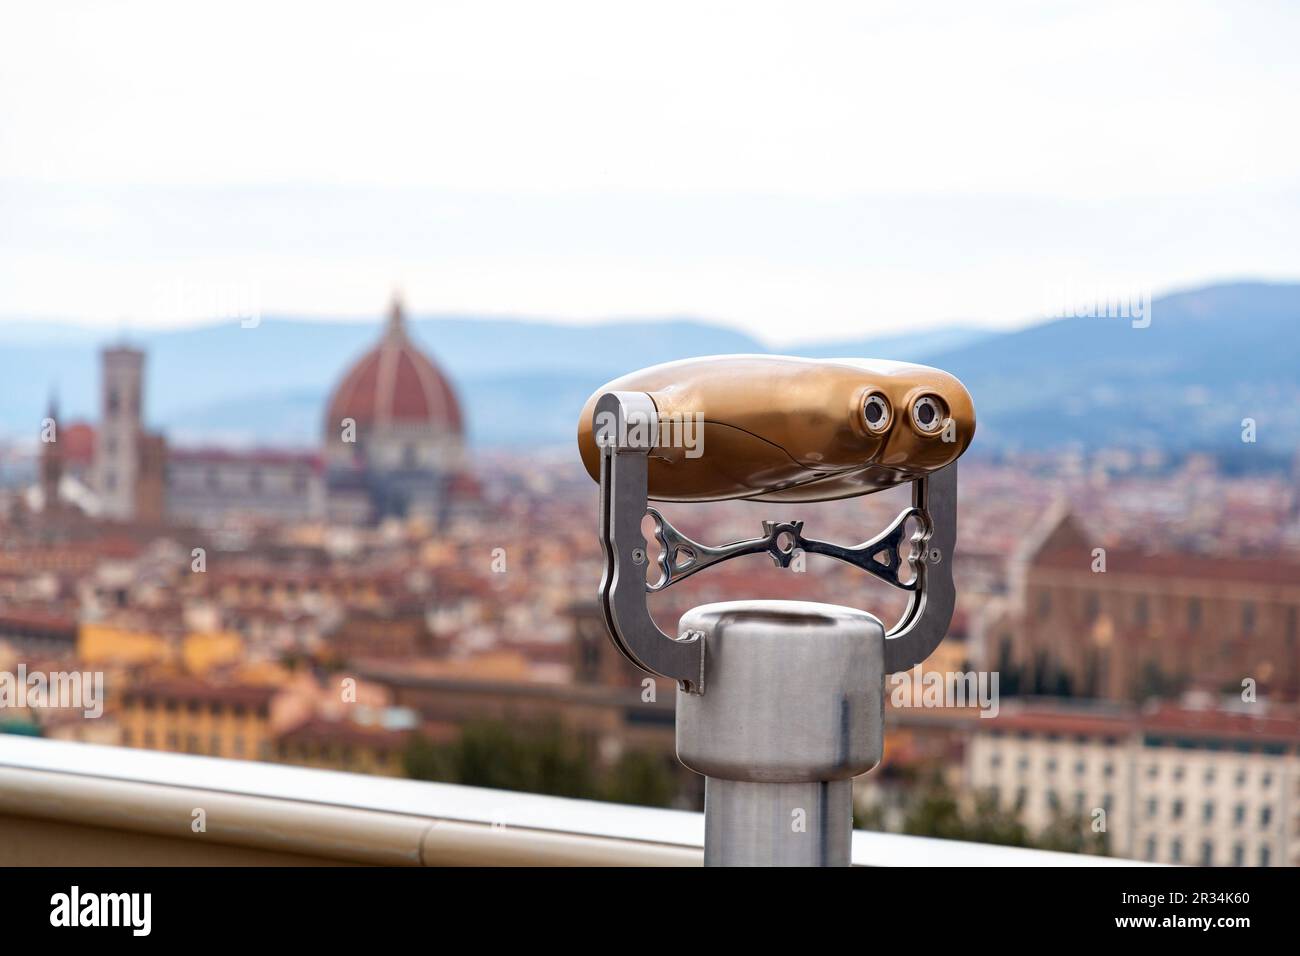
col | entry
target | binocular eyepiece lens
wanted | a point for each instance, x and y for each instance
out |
(876, 412)
(928, 414)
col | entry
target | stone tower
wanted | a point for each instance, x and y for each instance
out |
(51, 459)
(117, 450)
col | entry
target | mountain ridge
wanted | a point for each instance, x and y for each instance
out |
(1211, 357)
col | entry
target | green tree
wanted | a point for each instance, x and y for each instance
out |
(540, 758)
(935, 811)
(641, 778)
(1073, 833)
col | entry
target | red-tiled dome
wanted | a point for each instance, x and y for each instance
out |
(394, 383)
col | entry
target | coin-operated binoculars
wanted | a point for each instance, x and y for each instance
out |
(780, 704)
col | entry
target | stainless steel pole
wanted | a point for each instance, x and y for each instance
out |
(793, 711)
(758, 824)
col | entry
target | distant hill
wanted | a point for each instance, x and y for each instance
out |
(268, 384)
(1210, 358)
(901, 348)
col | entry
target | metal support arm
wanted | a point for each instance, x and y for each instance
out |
(628, 425)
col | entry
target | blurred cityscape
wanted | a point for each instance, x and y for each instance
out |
(395, 602)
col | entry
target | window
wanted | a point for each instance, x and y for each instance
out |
(1239, 814)
(1151, 848)
(1141, 612)
(1194, 614)
(1238, 854)
(1176, 851)
(1265, 816)
(1248, 618)
(1153, 806)
(1207, 813)
(1265, 856)
(1176, 811)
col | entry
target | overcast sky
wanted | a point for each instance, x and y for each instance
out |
(800, 170)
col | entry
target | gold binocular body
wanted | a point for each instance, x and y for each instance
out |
(776, 428)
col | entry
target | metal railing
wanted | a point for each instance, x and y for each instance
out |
(83, 804)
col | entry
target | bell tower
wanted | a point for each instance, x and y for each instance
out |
(117, 451)
(51, 459)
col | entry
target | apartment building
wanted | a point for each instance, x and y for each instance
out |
(1174, 784)
(183, 715)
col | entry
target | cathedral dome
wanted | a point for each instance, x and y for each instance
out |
(395, 384)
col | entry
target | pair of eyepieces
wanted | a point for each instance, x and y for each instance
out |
(928, 414)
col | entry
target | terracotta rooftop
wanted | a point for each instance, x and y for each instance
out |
(321, 730)
(1173, 565)
(184, 690)
(1166, 719)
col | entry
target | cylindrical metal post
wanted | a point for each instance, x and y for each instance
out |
(792, 711)
(777, 824)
